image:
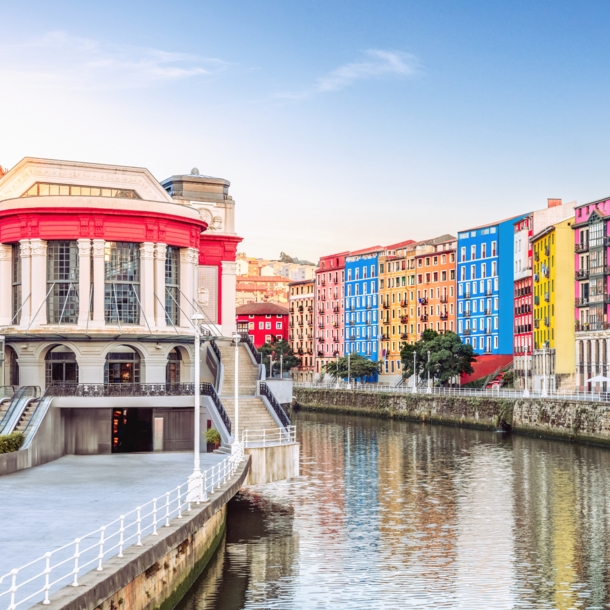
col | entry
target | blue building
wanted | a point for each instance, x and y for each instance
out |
(485, 278)
(361, 303)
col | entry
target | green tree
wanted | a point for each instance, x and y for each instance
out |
(359, 367)
(449, 357)
(274, 349)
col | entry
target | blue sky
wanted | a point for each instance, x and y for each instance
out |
(340, 124)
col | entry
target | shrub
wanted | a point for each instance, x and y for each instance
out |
(11, 442)
(212, 436)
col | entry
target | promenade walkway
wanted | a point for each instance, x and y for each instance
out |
(45, 507)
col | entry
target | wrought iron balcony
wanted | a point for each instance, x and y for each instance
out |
(404, 336)
(444, 298)
(423, 301)
(582, 302)
(582, 274)
(444, 315)
(424, 317)
(467, 331)
(581, 247)
(102, 390)
(547, 297)
(404, 319)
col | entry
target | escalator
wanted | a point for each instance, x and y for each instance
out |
(19, 410)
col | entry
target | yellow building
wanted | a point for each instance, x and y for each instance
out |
(554, 333)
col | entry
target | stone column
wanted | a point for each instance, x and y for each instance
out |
(99, 276)
(189, 257)
(147, 282)
(229, 284)
(84, 281)
(6, 285)
(26, 274)
(160, 250)
(38, 280)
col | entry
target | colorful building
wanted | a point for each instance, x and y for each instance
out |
(592, 293)
(301, 327)
(262, 289)
(486, 288)
(361, 302)
(524, 229)
(554, 336)
(329, 310)
(263, 321)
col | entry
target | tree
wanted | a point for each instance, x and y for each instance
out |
(274, 349)
(449, 357)
(359, 368)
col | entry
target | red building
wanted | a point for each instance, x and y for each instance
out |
(263, 321)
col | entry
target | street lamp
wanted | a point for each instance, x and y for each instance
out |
(349, 371)
(414, 373)
(235, 446)
(526, 391)
(194, 482)
(429, 390)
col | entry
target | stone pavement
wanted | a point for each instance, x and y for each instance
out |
(45, 507)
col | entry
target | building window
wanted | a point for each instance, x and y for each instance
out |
(267, 325)
(172, 368)
(261, 326)
(278, 326)
(122, 283)
(172, 283)
(62, 282)
(122, 366)
(61, 366)
(16, 283)
(42, 189)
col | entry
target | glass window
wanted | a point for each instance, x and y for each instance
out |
(172, 285)
(41, 189)
(122, 365)
(62, 282)
(61, 366)
(16, 283)
(122, 283)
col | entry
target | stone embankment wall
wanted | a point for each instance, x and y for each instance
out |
(156, 575)
(570, 420)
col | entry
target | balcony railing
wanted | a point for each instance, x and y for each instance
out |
(385, 305)
(582, 274)
(582, 302)
(467, 313)
(547, 297)
(423, 318)
(102, 390)
(444, 298)
(466, 331)
(589, 326)
(423, 301)
(404, 336)
(444, 315)
(404, 319)
(581, 247)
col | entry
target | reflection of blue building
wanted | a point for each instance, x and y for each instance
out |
(361, 301)
(486, 287)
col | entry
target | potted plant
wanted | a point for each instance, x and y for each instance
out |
(212, 438)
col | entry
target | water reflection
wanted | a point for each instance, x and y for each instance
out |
(391, 514)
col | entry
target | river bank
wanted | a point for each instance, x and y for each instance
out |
(575, 421)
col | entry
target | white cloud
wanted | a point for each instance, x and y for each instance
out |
(66, 60)
(377, 63)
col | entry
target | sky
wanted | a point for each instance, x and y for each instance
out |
(341, 124)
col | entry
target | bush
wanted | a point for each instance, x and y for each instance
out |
(11, 442)
(212, 436)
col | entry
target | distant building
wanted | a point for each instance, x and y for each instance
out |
(261, 289)
(554, 336)
(301, 327)
(329, 308)
(263, 322)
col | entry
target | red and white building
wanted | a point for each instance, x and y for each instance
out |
(102, 268)
(329, 310)
(263, 322)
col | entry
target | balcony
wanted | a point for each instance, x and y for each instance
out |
(599, 270)
(404, 336)
(335, 324)
(444, 315)
(466, 331)
(582, 302)
(547, 251)
(335, 280)
(385, 321)
(310, 308)
(301, 308)
(467, 313)
(385, 305)
(352, 322)
(322, 282)
(404, 319)
(581, 247)
(547, 297)
(423, 317)
(369, 306)
(488, 292)
(403, 303)
(547, 322)
(320, 339)
(582, 274)
(300, 322)
(336, 309)
(385, 337)
(444, 298)
(423, 301)
(590, 326)
(537, 323)
(320, 324)
(320, 354)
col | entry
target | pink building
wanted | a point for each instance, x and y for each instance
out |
(330, 278)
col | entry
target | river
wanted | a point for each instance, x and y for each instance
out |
(396, 515)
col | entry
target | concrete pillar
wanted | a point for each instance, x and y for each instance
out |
(147, 282)
(26, 274)
(91, 369)
(155, 368)
(6, 285)
(189, 257)
(99, 275)
(84, 282)
(160, 251)
(228, 283)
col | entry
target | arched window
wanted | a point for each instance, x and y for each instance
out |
(172, 369)
(12, 364)
(122, 365)
(61, 366)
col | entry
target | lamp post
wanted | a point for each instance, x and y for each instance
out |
(414, 373)
(349, 371)
(429, 390)
(235, 446)
(526, 391)
(544, 390)
(194, 482)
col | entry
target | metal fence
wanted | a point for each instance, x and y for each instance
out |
(442, 391)
(36, 580)
(269, 438)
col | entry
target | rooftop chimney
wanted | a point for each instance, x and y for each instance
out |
(553, 203)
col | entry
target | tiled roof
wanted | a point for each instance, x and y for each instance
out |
(261, 309)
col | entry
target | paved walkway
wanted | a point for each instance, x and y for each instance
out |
(46, 507)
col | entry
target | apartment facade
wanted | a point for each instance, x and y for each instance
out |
(301, 327)
(329, 310)
(554, 335)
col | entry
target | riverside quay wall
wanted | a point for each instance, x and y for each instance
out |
(575, 420)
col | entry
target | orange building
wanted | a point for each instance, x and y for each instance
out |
(261, 289)
(435, 283)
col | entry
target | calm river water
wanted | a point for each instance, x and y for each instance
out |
(398, 515)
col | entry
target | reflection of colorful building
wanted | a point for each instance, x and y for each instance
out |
(301, 327)
(263, 322)
(553, 307)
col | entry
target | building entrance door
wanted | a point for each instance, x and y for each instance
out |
(132, 430)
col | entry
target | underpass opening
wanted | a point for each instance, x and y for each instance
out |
(132, 430)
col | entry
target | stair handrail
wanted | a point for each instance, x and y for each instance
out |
(26, 391)
(7, 391)
(207, 389)
(265, 390)
(247, 340)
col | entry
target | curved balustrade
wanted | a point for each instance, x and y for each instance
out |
(216, 350)
(207, 389)
(247, 340)
(265, 391)
(93, 390)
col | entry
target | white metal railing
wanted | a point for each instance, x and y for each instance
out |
(270, 437)
(458, 391)
(36, 580)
